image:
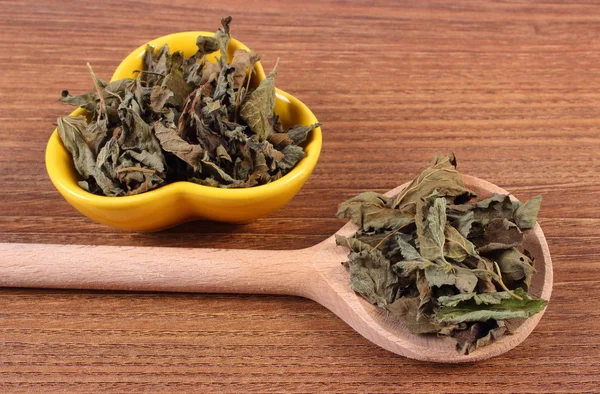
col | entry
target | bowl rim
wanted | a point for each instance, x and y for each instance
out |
(63, 180)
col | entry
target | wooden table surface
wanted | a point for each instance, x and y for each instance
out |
(512, 88)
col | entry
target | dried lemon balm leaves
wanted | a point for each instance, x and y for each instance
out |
(441, 260)
(182, 118)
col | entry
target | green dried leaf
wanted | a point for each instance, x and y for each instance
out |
(171, 142)
(463, 223)
(494, 207)
(370, 211)
(372, 277)
(485, 298)
(224, 91)
(298, 134)
(430, 229)
(192, 67)
(86, 101)
(469, 310)
(155, 65)
(407, 310)
(425, 295)
(158, 98)
(407, 250)
(457, 247)
(206, 45)
(441, 177)
(118, 88)
(463, 279)
(71, 130)
(516, 267)
(405, 268)
(353, 244)
(222, 36)
(258, 109)
(152, 161)
(412, 259)
(175, 80)
(373, 239)
(242, 62)
(292, 154)
(526, 214)
(95, 134)
(212, 170)
(499, 234)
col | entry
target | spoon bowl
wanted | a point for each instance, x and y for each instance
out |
(314, 273)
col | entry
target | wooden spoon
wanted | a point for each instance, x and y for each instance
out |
(315, 273)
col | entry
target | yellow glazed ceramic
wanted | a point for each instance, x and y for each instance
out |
(184, 201)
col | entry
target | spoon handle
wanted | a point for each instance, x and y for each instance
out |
(155, 269)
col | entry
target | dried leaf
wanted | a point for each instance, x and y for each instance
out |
(511, 308)
(222, 153)
(175, 81)
(463, 223)
(526, 214)
(71, 130)
(222, 36)
(463, 279)
(86, 101)
(441, 177)
(405, 268)
(241, 63)
(372, 277)
(457, 247)
(95, 134)
(159, 97)
(206, 45)
(171, 142)
(258, 109)
(370, 211)
(407, 310)
(494, 207)
(292, 154)
(515, 266)
(478, 335)
(486, 298)
(499, 234)
(353, 244)
(280, 140)
(407, 250)
(430, 229)
(298, 134)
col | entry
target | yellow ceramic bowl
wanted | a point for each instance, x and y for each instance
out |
(184, 201)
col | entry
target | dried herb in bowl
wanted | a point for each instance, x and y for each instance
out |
(442, 261)
(181, 119)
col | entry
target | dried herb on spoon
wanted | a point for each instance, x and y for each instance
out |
(442, 261)
(181, 119)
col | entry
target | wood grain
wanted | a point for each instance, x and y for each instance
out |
(512, 88)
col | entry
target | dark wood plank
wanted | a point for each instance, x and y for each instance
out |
(511, 88)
